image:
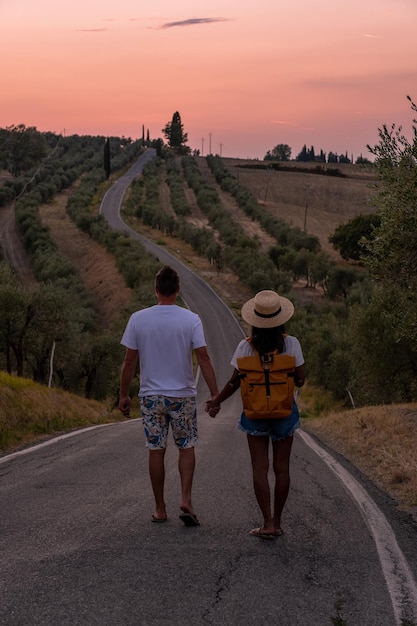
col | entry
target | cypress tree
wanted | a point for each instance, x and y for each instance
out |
(107, 167)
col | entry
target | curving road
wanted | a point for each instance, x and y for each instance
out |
(221, 327)
(77, 545)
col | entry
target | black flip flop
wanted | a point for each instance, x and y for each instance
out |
(189, 519)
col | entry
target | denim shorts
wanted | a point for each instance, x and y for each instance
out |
(158, 412)
(278, 429)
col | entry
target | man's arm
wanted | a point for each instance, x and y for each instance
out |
(126, 377)
(207, 369)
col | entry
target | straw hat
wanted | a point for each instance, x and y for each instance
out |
(267, 310)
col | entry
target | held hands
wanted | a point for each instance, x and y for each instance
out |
(212, 406)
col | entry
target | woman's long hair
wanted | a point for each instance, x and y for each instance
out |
(265, 340)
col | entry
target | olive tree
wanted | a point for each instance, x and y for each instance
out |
(281, 152)
(21, 148)
(392, 258)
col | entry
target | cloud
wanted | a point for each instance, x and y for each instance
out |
(284, 123)
(361, 81)
(370, 36)
(193, 21)
(91, 30)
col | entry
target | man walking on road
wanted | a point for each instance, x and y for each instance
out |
(164, 337)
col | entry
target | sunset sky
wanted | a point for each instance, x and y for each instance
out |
(245, 76)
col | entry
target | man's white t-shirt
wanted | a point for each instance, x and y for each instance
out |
(165, 336)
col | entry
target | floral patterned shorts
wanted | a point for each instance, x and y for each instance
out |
(160, 411)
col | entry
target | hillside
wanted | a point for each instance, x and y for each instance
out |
(30, 413)
(319, 203)
(330, 201)
(313, 202)
(96, 266)
(359, 434)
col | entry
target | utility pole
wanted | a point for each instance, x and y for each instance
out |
(305, 216)
(221, 146)
(202, 146)
(268, 169)
(209, 143)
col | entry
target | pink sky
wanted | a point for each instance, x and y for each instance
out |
(245, 76)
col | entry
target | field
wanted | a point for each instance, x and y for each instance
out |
(96, 265)
(312, 202)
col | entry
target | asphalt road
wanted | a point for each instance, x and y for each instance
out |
(77, 545)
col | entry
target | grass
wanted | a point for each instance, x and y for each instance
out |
(380, 441)
(30, 412)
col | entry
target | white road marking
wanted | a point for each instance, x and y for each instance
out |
(49, 442)
(399, 578)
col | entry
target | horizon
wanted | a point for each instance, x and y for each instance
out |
(243, 80)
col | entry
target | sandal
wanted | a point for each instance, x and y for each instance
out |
(257, 532)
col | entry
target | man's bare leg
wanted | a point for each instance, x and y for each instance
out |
(186, 466)
(157, 475)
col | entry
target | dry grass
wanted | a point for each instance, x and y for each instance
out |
(381, 441)
(250, 227)
(4, 175)
(97, 267)
(30, 412)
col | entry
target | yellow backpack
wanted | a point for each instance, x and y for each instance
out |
(267, 385)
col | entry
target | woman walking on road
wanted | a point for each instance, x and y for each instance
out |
(266, 313)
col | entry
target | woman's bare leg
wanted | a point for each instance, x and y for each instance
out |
(259, 448)
(281, 463)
